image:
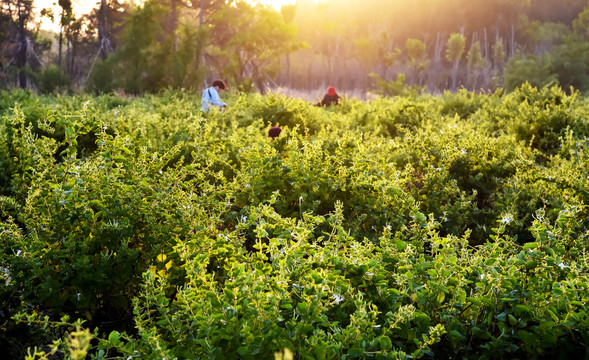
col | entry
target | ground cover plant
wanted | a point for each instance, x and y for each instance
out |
(451, 226)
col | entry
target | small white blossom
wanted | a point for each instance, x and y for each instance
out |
(337, 298)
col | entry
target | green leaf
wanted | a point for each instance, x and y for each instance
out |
(114, 338)
(553, 316)
(356, 352)
(230, 295)
(441, 297)
(385, 343)
(243, 350)
(401, 245)
(119, 158)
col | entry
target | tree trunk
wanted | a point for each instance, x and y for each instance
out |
(258, 78)
(21, 56)
(173, 23)
(60, 42)
(102, 30)
(288, 69)
(455, 75)
(73, 61)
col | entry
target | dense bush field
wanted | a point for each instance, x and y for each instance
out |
(452, 226)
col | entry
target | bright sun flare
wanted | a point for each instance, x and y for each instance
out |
(85, 6)
(277, 3)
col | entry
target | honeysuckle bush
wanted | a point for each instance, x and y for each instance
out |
(412, 227)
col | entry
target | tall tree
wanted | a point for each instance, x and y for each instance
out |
(417, 57)
(65, 19)
(454, 50)
(252, 38)
(24, 8)
(475, 64)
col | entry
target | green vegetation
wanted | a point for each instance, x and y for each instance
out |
(453, 226)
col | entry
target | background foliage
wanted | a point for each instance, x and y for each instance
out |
(385, 46)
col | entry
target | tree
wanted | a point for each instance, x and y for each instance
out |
(570, 64)
(475, 63)
(499, 57)
(454, 51)
(534, 70)
(367, 54)
(133, 63)
(581, 24)
(65, 19)
(251, 39)
(417, 58)
(24, 14)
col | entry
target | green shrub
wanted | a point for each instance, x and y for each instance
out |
(447, 226)
(51, 79)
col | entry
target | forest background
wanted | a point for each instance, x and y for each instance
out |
(389, 47)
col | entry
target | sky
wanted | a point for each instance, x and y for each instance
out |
(84, 6)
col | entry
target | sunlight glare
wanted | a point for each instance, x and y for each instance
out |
(85, 6)
(277, 4)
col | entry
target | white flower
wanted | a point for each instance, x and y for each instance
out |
(337, 299)
(506, 220)
(463, 152)
(562, 266)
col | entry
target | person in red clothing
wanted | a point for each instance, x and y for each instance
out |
(331, 98)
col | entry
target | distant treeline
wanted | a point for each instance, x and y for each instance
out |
(389, 46)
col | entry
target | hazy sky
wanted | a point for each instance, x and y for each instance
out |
(84, 6)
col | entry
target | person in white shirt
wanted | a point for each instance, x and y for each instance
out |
(210, 96)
